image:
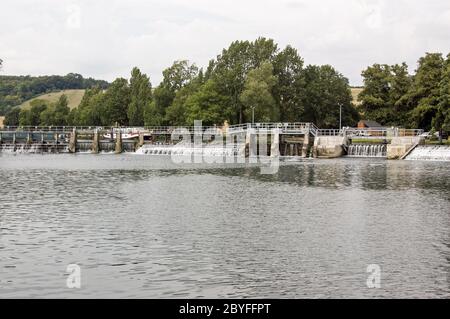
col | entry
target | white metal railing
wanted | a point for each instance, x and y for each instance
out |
(284, 127)
(330, 132)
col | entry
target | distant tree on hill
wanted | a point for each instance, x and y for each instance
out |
(14, 90)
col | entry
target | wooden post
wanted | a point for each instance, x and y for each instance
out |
(56, 142)
(73, 141)
(96, 142)
(141, 139)
(118, 142)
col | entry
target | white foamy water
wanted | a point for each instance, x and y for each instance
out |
(367, 150)
(186, 149)
(430, 153)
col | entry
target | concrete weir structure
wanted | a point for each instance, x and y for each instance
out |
(252, 139)
(329, 146)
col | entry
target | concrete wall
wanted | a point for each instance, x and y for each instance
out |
(329, 146)
(401, 145)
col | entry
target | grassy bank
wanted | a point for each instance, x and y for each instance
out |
(74, 97)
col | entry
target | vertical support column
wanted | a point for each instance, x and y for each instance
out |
(73, 141)
(252, 142)
(305, 147)
(56, 142)
(29, 139)
(275, 144)
(141, 139)
(118, 149)
(96, 142)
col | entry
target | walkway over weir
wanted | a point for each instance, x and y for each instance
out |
(284, 128)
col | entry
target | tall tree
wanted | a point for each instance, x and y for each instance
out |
(115, 103)
(175, 78)
(400, 83)
(425, 90)
(442, 119)
(326, 90)
(231, 67)
(32, 116)
(177, 112)
(257, 94)
(90, 110)
(141, 95)
(289, 91)
(207, 104)
(376, 93)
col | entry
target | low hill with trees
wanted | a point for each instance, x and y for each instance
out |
(249, 77)
(74, 98)
(15, 90)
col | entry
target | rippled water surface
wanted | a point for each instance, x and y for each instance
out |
(143, 227)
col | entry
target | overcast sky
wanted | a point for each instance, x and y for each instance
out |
(106, 38)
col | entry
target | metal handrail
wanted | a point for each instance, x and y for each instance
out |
(366, 132)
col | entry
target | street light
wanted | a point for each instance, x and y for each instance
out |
(340, 116)
(253, 114)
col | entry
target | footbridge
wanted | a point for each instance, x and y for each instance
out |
(300, 139)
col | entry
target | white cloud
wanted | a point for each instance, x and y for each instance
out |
(106, 38)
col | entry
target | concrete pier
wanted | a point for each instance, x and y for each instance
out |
(118, 148)
(96, 142)
(73, 141)
(329, 146)
(400, 146)
(291, 139)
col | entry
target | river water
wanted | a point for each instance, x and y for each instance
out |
(141, 226)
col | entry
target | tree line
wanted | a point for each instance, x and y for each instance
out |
(14, 90)
(393, 97)
(257, 79)
(248, 79)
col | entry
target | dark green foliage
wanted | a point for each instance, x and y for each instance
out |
(325, 90)
(244, 77)
(393, 97)
(12, 117)
(14, 90)
(141, 94)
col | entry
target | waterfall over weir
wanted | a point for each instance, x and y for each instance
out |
(33, 148)
(367, 150)
(186, 149)
(430, 153)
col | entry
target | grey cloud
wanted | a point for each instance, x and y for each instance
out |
(113, 36)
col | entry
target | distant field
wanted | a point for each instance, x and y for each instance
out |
(74, 97)
(355, 92)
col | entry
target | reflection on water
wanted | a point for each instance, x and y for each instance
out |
(143, 227)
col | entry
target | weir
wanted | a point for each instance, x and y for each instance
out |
(252, 139)
(429, 153)
(367, 150)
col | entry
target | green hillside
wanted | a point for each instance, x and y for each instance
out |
(74, 97)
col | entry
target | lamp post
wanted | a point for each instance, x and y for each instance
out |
(340, 116)
(253, 114)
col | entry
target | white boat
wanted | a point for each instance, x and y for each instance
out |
(125, 136)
